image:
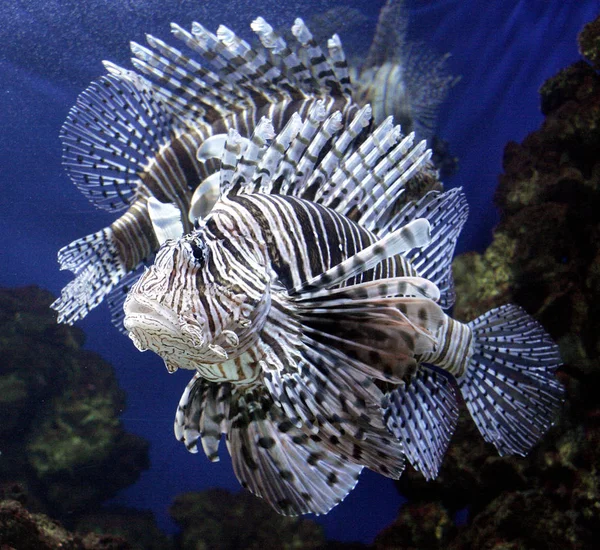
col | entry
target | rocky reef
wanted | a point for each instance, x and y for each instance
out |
(545, 256)
(220, 520)
(62, 438)
(22, 530)
(63, 449)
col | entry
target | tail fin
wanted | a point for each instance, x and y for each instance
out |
(509, 385)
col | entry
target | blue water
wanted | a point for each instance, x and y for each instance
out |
(51, 49)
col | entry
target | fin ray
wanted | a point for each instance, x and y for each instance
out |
(509, 385)
(423, 416)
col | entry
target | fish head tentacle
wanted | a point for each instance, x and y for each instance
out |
(201, 302)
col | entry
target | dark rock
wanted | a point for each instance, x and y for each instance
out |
(419, 525)
(21, 530)
(589, 43)
(220, 520)
(61, 436)
(138, 528)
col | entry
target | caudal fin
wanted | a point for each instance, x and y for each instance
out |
(509, 385)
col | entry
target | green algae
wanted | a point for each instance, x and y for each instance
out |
(12, 389)
(76, 432)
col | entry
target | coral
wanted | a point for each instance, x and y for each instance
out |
(21, 530)
(418, 526)
(220, 520)
(62, 439)
(138, 528)
(545, 256)
(589, 43)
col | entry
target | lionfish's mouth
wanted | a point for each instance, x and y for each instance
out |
(154, 326)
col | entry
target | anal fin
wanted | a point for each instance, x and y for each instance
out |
(423, 415)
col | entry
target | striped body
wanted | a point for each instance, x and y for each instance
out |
(302, 238)
(453, 351)
(174, 173)
(256, 248)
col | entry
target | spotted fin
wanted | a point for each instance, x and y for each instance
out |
(202, 416)
(96, 262)
(271, 457)
(382, 324)
(509, 385)
(115, 128)
(423, 415)
(329, 394)
(383, 335)
(322, 349)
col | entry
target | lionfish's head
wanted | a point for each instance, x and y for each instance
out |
(202, 302)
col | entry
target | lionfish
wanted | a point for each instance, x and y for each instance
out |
(311, 310)
(290, 268)
(158, 132)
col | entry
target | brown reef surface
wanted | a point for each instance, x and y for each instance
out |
(61, 436)
(545, 256)
(63, 448)
(220, 520)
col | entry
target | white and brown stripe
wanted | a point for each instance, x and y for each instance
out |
(454, 350)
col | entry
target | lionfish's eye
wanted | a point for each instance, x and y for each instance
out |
(198, 250)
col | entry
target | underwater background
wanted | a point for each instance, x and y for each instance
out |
(503, 51)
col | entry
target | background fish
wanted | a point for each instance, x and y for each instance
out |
(402, 78)
(157, 132)
(314, 319)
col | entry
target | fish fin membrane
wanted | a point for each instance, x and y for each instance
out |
(219, 74)
(327, 393)
(423, 416)
(383, 323)
(114, 130)
(360, 178)
(446, 213)
(94, 260)
(384, 333)
(201, 416)
(509, 385)
(271, 457)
